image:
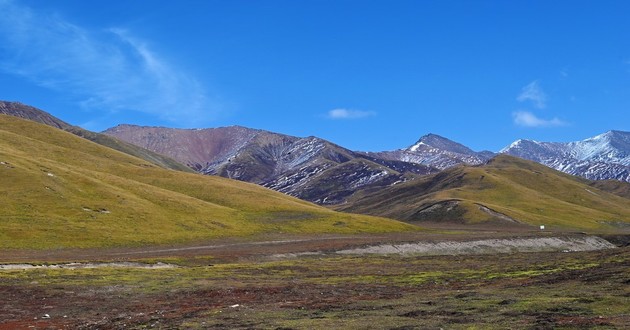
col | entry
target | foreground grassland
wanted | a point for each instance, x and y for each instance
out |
(515, 291)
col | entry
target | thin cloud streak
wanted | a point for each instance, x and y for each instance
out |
(349, 114)
(534, 93)
(106, 70)
(528, 119)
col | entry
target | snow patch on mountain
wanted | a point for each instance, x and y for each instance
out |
(605, 156)
(436, 151)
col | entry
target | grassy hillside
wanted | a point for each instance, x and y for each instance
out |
(619, 188)
(24, 111)
(59, 191)
(507, 189)
(130, 149)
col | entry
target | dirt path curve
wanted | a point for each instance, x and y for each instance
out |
(226, 250)
(233, 250)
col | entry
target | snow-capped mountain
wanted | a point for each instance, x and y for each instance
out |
(437, 151)
(319, 171)
(605, 156)
(308, 168)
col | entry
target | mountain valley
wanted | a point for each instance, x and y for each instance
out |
(100, 233)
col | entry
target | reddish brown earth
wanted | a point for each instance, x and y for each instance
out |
(235, 285)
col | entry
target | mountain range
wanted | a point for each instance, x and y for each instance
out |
(309, 168)
(605, 156)
(319, 171)
(66, 178)
(322, 172)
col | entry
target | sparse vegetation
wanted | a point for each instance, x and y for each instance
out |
(517, 291)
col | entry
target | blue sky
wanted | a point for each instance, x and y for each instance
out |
(368, 75)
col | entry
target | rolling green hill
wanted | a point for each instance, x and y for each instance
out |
(59, 191)
(24, 111)
(506, 190)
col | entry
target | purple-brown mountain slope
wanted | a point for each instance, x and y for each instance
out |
(309, 168)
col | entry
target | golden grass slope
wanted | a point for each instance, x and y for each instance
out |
(59, 191)
(24, 111)
(525, 191)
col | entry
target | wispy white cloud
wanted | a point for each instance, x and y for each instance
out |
(528, 119)
(107, 69)
(349, 114)
(534, 93)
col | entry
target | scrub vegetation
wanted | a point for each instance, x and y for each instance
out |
(517, 291)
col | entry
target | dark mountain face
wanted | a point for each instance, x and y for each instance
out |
(606, 156)
(308, 168)
(27, 112)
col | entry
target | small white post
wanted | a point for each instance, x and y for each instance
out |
(542, 227)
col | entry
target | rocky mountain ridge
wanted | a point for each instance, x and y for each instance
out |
(24, 111)
(309, 168)
(602, 157)
(437, 151)
(322, 172)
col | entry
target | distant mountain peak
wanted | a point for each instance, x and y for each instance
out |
(439, 142)
(521, 144)
(604, 156)
(619, 139)
(433, 138)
